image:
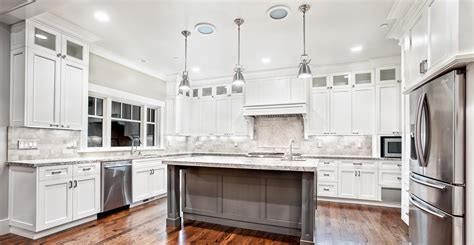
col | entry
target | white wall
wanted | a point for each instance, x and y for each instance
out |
(110, 74)
(4, 112)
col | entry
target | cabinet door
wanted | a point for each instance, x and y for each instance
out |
(275, 90)
(320, 83)
(319, 112)
(54, 203)
(182, 115)
(298, 90)
(363, 79)
(44, 39)
(195, 128)
(74, 50)
(341, 80)
(239, 123)
(441, 30)
(368, 188)
(252, 96)
(388, 108)
(86, 197)
(223, 116)
(388, 75)
(208, 116)
(158, 181)
(43, 89)
(347, 185)
(340, 111)
(73, 87)
(141, 184)
(419, 45)
(363, 110)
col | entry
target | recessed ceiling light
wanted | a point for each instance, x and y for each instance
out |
(40, 36)
(278, 12)
(101, 16)
(196, 69)
(266, 60)
(384, 25)
(205, 28)
(356, 48)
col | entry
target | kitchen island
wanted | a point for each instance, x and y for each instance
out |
(267, 194)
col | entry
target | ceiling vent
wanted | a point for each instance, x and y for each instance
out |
(7, 6)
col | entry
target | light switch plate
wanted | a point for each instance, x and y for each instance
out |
(27, 144)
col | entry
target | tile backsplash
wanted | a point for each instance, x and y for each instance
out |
(272, 134)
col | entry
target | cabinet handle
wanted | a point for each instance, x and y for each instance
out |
(355, 132)
(75, 183)
(326, 189)
(326, 162)
(70, 184)
(355, 173)
(326, 174)
(86, 169)
(359, 173)
(423, 66)
(399, 165)
(53, 125)
(56, 172)
(357, 163)
(64, 56)
(399, 178)
(58, 55)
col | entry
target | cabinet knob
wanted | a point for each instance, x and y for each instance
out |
(64, 56)
(58, 55)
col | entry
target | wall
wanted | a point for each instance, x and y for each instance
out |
(4, 118)
(113, 75)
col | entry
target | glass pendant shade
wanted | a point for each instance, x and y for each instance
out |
(184, 84)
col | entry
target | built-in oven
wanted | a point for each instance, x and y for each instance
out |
(391, 146)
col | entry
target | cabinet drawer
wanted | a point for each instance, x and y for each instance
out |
(55, 172)
(327, 164)
(87, 169)
(358, 164)
(390, 178)
(327, 189)
(327, 175)
(390, 165)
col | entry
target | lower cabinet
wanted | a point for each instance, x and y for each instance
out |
(148, 179)
(46, 197)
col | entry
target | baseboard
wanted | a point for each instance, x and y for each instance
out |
(36, 235)
(147, 200)
(4, 226)
(362, 202)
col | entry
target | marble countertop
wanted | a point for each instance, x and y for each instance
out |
(241, 156)
(243, 162)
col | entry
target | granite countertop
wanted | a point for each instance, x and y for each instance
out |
(242, 162)
(241, 156)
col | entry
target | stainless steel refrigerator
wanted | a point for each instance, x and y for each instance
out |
(437, 161)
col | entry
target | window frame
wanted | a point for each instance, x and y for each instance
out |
(108, 95)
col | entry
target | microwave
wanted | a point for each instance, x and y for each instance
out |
(391, 146)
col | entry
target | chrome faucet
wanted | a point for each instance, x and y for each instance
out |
(290, 156)
(134, 139)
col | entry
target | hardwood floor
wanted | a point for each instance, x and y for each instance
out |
(335, 224)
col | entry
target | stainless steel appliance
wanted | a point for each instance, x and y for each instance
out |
(116, 184)
(391, 146)
(437, 164)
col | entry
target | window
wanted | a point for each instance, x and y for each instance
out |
(125, 124)
(152, 127)
(95, 122)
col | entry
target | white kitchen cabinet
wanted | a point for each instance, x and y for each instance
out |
(363, 78)
(387, 75)
(348, 183)
(419, 46)
(208, 116)
(368, 188)
(239, 123)
(388, 109)
(341, 80)
(54, 203)
(183, 114)
(298, 90)
(148, 179)
(86, 196)
(195, 128)
(363, 110)
(49, 78)
(319, 112)
(358, 181)
(340, 104)
(223, 115)
(252, 96)
(441, 30)
(275, 91)
(321, 82)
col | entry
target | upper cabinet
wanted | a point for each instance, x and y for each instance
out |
(49, 77)
(271, 91)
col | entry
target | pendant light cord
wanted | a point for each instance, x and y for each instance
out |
(238, 55)
(304, 33)
(185, 53)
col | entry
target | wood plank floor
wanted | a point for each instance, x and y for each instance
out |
(335, 224)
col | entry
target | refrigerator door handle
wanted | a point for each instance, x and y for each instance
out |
(426, 111)
(417, 135)
(419, 206)
(423, 109)
(439, 187)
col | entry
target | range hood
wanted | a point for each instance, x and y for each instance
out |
(276, 109)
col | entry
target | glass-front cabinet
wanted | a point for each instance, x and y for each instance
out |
(74, 50)
(341, 80)
(320, 82)
(363, 78)
(388, 74)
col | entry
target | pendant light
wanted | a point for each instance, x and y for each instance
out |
(238, 79)
(305, 70)
(184, 84)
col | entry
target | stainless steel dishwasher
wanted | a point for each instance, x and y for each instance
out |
(116, 184)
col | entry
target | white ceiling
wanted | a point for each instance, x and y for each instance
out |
(150, 30)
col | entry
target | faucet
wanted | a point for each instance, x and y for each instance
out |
(290, 157)
(134, 139)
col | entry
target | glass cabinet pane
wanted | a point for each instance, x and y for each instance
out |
(363, 78)
(220, 90)
(319, 82)
(45, 39)
(116, 109)
(74, 50)
(388, 74)
(126, 111)
(207, 91)
(237, 89)
(340, 80)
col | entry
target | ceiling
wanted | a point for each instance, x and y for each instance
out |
(149, 30)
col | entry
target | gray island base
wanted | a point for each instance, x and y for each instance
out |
(278, 198)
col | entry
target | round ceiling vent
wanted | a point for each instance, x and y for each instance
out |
(205, 28)
(278, 12)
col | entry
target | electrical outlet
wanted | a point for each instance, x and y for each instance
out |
(359, 145)
(72, 144)
(27, 144)
(319, 144)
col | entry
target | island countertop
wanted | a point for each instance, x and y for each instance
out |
(241, 162)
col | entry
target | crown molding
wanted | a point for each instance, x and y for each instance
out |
(404, 13)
